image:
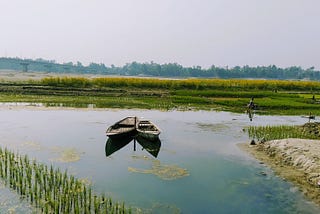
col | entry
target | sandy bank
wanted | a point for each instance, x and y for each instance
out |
(296, 160)
(11, 75)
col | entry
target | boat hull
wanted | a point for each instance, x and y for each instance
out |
(147, 130)
(148, 135)
(123, 128)
(129, 133)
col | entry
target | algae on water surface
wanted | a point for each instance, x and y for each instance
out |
(165, 172)
(66, 155)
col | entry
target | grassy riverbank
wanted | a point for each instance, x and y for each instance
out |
(271, 96)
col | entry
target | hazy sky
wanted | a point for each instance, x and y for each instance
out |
(189, 32)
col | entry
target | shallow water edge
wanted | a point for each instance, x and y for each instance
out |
(278, 161)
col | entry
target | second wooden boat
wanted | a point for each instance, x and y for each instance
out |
(147, 129)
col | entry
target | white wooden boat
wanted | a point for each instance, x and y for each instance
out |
(148, 130)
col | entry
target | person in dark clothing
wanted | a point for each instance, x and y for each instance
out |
(251, 104)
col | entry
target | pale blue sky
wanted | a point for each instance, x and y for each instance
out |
(189, 32)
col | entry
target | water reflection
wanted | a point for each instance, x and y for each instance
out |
(250, 113)
(151, 146)
(113, 145)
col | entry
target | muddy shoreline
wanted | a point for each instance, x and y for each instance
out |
(295, 160)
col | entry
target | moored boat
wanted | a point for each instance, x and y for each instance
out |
(147, 129)
(123, 128)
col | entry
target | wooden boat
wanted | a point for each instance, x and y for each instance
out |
(115, 144)
(123, 128)
(151, 146)
(148, 130)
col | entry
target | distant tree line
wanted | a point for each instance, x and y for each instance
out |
(161, 70)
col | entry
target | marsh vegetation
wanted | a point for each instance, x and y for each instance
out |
(271, 96)
(309, 130)
(50, 190)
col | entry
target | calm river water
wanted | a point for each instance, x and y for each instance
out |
(199, 168)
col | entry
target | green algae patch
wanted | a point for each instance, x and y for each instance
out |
(66, 155)
(217, 127)
(157, 207)
(163, 171)
(163, 208)
(32, 145)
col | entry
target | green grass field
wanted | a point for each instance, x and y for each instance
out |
(271, 96)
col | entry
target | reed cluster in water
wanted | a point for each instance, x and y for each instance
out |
(49, 189)
(278, 132)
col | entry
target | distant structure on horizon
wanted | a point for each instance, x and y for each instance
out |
(24, 66)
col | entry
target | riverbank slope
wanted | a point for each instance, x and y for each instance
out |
(296, 160)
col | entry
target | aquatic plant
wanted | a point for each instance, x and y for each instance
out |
(49, 189)
(165, 172)
(278, 132)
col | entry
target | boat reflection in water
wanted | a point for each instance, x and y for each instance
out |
(151, 146)
(115, 144)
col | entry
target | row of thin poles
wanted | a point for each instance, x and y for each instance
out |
(50, 190)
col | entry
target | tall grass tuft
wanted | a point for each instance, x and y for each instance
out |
(278, 132)
(50, 190)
